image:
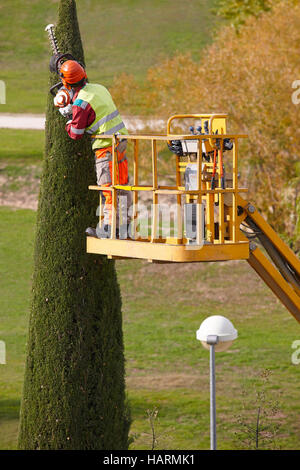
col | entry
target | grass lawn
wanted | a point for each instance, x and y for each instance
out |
(167, 369)
(21, 146)
(118, 36)
(16, 247)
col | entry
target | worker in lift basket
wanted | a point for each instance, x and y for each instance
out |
(94, 112)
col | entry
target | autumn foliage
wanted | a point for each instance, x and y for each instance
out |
(248, 75)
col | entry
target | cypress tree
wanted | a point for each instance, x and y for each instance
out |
(74, 388)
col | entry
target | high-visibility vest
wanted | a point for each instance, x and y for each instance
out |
(108, 119)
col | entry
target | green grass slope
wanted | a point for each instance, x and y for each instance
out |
(167, 368)
(118, 36)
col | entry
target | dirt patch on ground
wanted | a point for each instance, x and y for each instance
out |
(19, 186)
(200, 279)
(20, 199)
(193, 379)
(157, 381)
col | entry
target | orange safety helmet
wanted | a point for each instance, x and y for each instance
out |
(71, 72)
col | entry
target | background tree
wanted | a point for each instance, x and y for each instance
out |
(74, 390)
(237, 11)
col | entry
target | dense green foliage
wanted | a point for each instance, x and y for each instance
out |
(74, 391)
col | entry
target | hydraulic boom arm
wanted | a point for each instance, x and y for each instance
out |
(282, 274)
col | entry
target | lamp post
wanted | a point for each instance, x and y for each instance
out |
(216, 333)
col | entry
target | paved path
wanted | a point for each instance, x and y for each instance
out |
(22, 121)
(37, 122)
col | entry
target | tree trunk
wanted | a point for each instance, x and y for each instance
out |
(74, 388)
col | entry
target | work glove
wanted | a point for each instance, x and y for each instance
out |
(62, 98)
(66, 112)
(176, 147)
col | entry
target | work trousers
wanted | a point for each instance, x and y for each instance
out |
(103, 160)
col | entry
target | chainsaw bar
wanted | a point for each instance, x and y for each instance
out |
(53, 41)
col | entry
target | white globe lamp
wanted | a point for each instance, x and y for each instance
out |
(216, 333)
(219, 326)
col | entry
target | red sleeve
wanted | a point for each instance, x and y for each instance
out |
(83, 116)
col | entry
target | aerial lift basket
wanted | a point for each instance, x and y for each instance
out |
(223, 224)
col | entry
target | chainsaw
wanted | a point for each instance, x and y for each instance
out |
(62, 96)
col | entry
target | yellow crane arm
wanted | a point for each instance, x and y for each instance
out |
(282, 271)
